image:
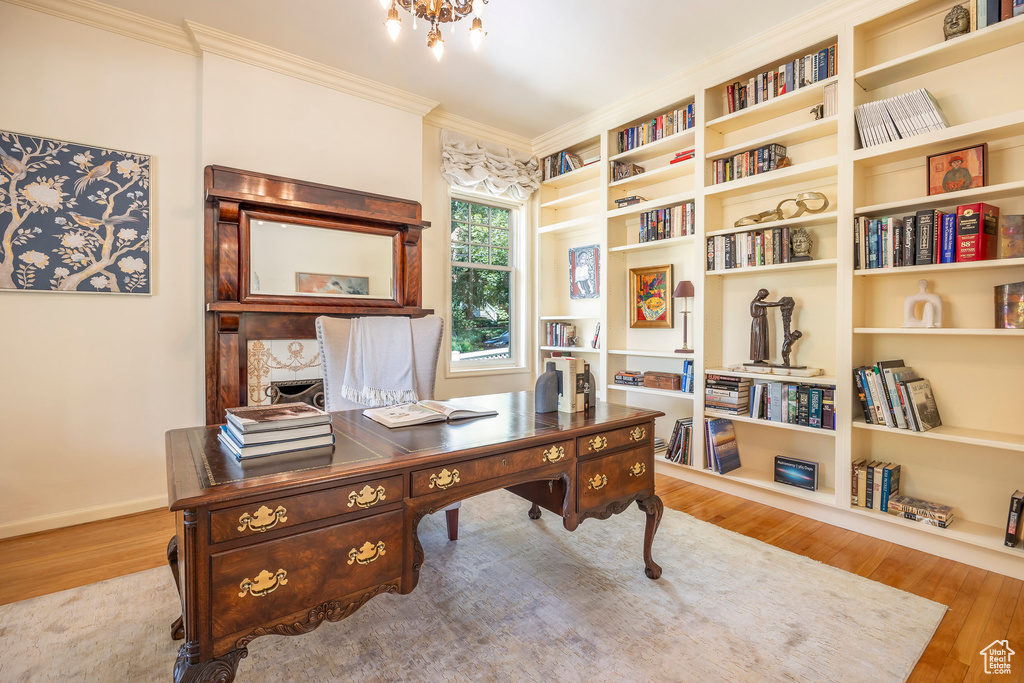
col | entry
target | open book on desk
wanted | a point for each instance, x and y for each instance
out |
(407, 414)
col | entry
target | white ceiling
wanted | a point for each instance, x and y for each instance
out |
(543, 63)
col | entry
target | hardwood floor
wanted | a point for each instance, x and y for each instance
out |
(984, 606)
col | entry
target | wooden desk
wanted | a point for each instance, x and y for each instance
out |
(280, 544)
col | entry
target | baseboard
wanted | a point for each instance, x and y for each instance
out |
(80, 516)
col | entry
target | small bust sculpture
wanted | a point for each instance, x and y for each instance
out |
(802, 243)
(957, 22)
(931, 313)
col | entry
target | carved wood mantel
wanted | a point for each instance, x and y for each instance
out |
(234, 315)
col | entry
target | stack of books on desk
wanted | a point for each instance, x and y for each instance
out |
(256, 431)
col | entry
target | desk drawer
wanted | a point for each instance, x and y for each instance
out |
(454, 475)
(615, 439)
(612, 477)
(276, 513)
(258, 584)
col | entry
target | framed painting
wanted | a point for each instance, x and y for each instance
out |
(344, 285)
(650, 297)
(584, 272)
(958, 170)
(73, 218)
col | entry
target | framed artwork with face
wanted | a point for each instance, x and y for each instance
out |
(958, 170)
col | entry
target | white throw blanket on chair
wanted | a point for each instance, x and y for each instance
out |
(379, 368)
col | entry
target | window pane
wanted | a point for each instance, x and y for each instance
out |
(480, 213)
(499, 257)
(460, 232)
(480, 255)
(479, 235)
(460, 253)
(481, 301)
(499, 218)
(499, 238)
(460, 211)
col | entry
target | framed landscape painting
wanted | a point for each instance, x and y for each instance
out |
(73, 218)
(959, 170)
(650, 297)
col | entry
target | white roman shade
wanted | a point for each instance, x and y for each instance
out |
(471, 164)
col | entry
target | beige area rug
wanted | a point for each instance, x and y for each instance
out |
(518, 600)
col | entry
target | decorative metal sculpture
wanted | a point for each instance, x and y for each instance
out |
(802, 243)
(777, 214)
(760, 353)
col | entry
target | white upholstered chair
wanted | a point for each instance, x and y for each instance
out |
(332, 335)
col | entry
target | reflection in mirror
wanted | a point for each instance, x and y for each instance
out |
(289, 259)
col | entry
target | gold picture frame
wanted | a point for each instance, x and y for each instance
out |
(650, 297)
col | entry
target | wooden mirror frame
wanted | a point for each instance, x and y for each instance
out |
(234, 316)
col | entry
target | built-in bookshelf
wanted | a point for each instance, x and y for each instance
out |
(849, 317)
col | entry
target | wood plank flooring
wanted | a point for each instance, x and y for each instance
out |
(984, 606)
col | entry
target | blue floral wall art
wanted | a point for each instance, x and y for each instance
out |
(73, 218)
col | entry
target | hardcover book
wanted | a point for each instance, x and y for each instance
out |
(976, 227)
(424, 412)
(1013, 521)
(922, 402)
(794, 472)
(242, 452)
(722, 440)
(277, 416)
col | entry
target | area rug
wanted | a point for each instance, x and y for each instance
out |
(522, 600)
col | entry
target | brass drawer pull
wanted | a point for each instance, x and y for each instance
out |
(367, 497)
(444, 480)
(637, 469)
(553, 454)
(598, 443)
(264, 519)
(637, 434)
(367, 554)
(598, 482)
(265, 583)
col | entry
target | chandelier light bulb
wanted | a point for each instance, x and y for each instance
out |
(435, 43)
(393, 24)
(476, 34)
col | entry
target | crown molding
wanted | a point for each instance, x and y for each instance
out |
(115, 20)
(209, 40)
(445, 119)
(808, 28)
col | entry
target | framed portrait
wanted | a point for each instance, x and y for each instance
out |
(650, 297)
(958, 170)
(343, 285)
(584, 272)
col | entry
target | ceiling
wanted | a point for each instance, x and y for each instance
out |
(543, 63)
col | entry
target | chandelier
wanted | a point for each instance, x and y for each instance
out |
(436, 12)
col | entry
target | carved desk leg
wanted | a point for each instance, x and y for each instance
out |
(654, 508)
(178, 625)
(220, 670)
(534, 512)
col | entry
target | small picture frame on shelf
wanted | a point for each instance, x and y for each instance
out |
(650, 297)
(958, 170)
(584, 273)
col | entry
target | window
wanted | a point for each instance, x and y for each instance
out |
(482, 284)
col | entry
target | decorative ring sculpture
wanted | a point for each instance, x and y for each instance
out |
(777, 214)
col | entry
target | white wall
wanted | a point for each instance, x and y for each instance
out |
(89, 384)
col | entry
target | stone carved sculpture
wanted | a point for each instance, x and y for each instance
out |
(931, 313)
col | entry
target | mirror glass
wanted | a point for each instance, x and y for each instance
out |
(290, 259)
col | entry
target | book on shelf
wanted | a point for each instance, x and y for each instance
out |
(284, 444)
(678, 450)
(561, 334)
(425, 412)
(781, 80)
(1011, 235)
(573, 383)
(1013, 519)
(629, 201)
(629, 378)
(777, 401)
(898, 117)
(751, 162)
(684, 155)
(921, 510)
(922, 402)
(278, 416)
(662, 126)
(976, 229)
(622, 170)
(727, 393)
(830, 100)
(722, 450)
(802, 474)
(562, 163)
(750, 249)
(673, 221)
(890, 484)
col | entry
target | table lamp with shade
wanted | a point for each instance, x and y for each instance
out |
(684, 290)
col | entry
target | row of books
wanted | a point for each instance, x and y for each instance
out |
(683, 155)
(575, 383)
(805, 405)
(670, 381)
(678, 448)
(918, 510)
(892, 394)
(830, 100)
(748, 249)
(721, 451)
(873, 484)
(561, 163)
(751, 162)
(623, 169)
(629, 201)
(256, 431)
(931, 236)
(662, 224)
(985, 13)
(675, 121)
(787, 78)
(560, 334)
(727, 393)
(898, 117)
